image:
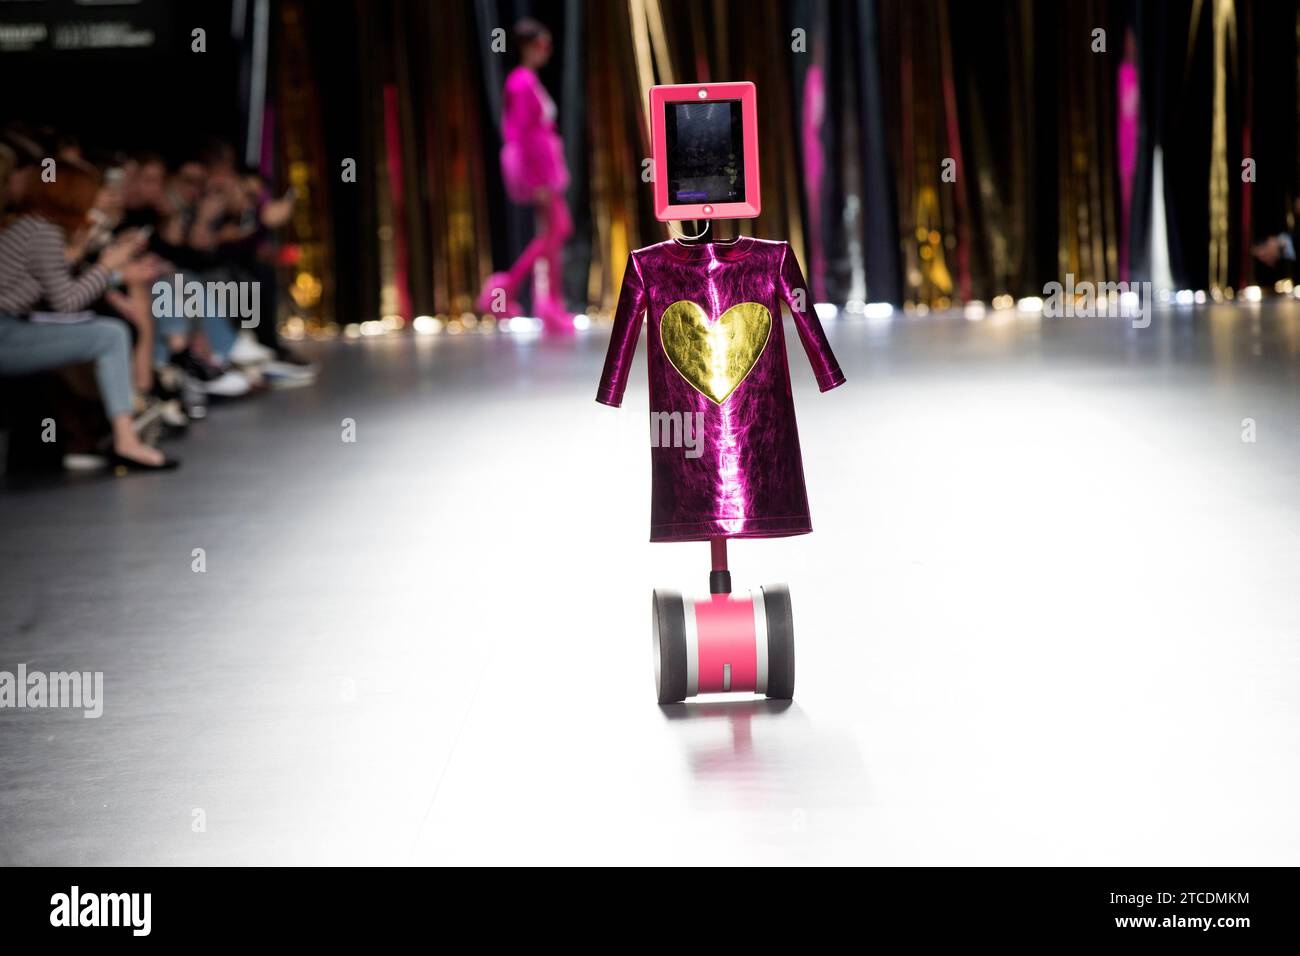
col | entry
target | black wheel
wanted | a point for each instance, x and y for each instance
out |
(780, 642)
(669, 635)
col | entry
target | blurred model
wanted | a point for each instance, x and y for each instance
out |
(532, 165)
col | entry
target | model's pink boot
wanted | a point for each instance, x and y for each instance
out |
(556, 319)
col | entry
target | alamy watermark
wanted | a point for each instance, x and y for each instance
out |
(177, 298)
(678, 430)
(76, 908)
(1109, 300)
(75, 690)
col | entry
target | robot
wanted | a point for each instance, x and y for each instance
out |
(717, 359)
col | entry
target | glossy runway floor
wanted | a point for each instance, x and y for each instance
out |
(1049, 615)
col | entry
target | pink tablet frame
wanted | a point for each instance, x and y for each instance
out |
(660, 96)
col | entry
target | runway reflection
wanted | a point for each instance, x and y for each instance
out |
(766, 755)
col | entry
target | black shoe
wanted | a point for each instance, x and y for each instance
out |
(121, 464)
(194, 367)
(167, 383)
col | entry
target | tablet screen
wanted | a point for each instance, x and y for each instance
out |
(705, 152)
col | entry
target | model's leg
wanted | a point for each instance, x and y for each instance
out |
(559, 229)
(502, 288)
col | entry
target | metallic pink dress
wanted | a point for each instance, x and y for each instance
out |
(724, 456)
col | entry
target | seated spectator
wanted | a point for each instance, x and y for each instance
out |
(198, 348)
(36, 280)
(235, 222)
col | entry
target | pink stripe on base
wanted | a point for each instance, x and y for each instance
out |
(726, 636)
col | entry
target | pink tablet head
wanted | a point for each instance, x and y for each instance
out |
(704, 139)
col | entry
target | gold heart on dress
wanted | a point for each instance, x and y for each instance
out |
(714, 357)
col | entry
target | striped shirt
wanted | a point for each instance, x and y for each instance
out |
(35, 270)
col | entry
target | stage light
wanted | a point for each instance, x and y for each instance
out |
(1199, 297)
(393, 323)
(523, 323)
(877, 310)
(1252, 293)
(974, 310)
(854, 306)
(1185, 296)
(581, 322)
(1282, 286)
(352, 331)
(1030, 303)
(825, 310)
(426, 325)
(1001, 302)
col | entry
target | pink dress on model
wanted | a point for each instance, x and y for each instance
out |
(533, 155)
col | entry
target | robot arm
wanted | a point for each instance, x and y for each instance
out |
(794, 290)
(622, 341)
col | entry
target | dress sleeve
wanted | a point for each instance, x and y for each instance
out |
(622, 341)
(523, 107)
(794, 290)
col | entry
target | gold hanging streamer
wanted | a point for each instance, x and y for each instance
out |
(312, 287)
(1224, 20)
(641, 49)
(447, 139)
(619, 142)
(925, 219)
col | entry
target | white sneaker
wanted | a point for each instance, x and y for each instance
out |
(231, 384)
(248, 351)
(172, 414)
(287, 375)
(254, 375)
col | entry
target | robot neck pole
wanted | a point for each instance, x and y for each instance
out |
(719, 577)
(701, 236)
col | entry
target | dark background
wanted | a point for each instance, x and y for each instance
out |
(1023, 82)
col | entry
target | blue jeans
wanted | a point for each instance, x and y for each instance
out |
(219, 330)
(27, 347)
